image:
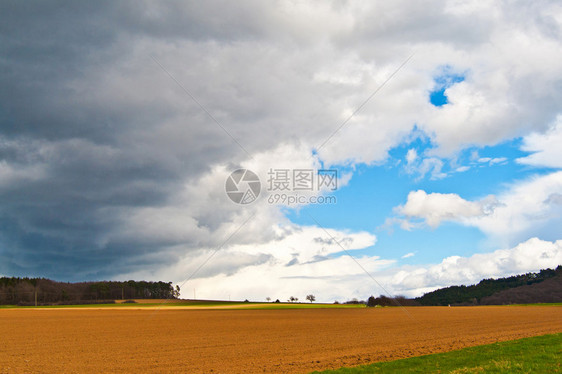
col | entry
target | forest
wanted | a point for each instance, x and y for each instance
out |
(41, 291)
(480, 293)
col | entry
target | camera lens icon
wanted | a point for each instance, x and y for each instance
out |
(243, 186)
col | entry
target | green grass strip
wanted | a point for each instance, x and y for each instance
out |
(203, 304)
(541, 354)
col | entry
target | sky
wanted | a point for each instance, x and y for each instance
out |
(250, 149)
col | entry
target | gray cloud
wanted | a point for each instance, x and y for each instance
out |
(90, 146)
(92, 130)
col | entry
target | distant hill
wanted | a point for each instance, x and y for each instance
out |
(542, 287)
(548, 291)
(28, 291)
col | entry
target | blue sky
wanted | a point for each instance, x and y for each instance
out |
(369, 199)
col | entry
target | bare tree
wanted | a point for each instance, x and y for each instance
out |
(311, 297)
(268, 299)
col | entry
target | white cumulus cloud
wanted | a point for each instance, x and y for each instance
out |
(546, 147)
(435, 208)
(526, 208)
(529, 256)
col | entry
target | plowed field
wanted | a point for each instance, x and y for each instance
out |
(231, 341)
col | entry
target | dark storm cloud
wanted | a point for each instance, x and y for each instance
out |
(48, 46)
(75, 146)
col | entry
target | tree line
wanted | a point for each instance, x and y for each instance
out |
(487, 292)
(29, 291)
(473, 295)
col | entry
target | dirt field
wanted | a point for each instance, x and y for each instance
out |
(230, 341)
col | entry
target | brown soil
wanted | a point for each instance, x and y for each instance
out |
(231, 341)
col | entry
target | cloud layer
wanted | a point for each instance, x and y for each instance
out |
(529, 256)
(108, 168)
(286, 273)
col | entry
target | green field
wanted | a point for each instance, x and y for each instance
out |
(223, 304)
(541, 354)
(197, 304)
